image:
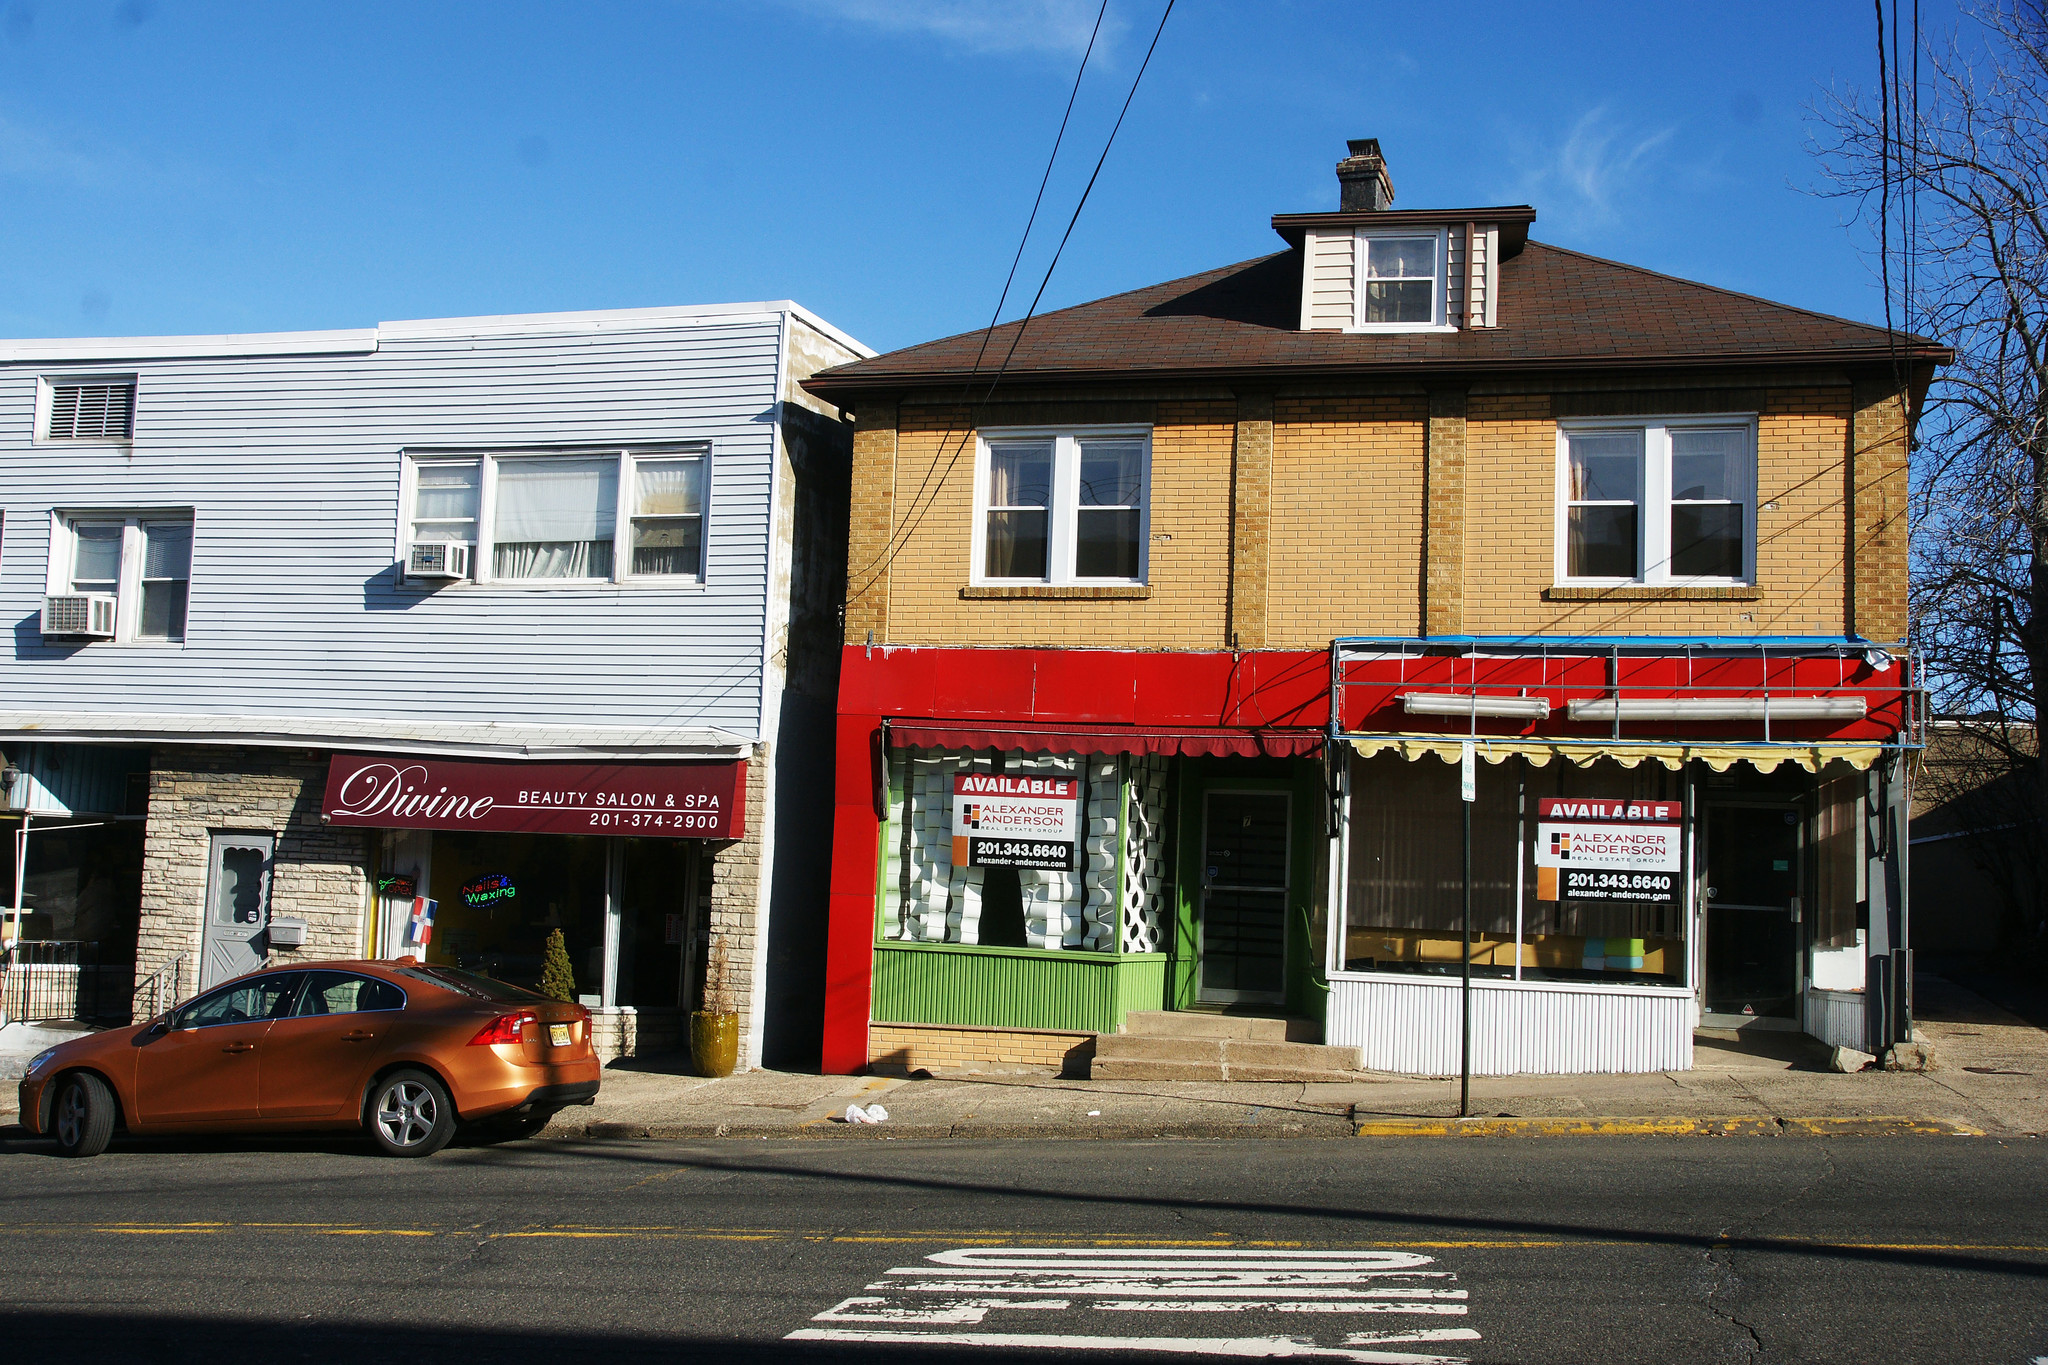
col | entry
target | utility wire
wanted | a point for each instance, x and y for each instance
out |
(916, 515)
(967, 385)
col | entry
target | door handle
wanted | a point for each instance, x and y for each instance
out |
(357, 1036)
(239, 1047)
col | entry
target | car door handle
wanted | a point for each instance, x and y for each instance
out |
(239, 1047)
(358, 1036)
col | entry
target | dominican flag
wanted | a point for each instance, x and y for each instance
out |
(419, 929)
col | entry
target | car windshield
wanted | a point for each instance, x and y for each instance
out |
(466, 983)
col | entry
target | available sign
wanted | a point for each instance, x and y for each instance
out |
(649, 800)
(1596, 849)
(1016, 821)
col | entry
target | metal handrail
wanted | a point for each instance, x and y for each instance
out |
(154, 984)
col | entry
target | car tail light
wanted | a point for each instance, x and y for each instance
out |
(503, 1029)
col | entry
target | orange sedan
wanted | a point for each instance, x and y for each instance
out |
(403, 1049)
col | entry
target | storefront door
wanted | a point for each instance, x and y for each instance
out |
(1752, 899)
(237, 907)
(1243, 920)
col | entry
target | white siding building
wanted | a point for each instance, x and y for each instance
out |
(567, 572)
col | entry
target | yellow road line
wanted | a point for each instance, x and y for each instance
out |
(987, 1238)
(1744, 1125)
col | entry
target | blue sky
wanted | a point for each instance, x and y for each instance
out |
(173, 166)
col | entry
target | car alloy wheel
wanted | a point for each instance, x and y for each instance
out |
(411, 1114)
(84, 1117)
(408, 1114)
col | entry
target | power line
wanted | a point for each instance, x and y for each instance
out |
(916, 515)
(967, 385)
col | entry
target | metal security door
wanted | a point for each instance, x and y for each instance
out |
(1752, 897)
(237, 906)
(1244, 897)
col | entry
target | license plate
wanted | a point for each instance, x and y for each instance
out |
(558, 1035)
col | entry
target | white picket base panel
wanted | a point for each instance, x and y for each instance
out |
(1411, 1025)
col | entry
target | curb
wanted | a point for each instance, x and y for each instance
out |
(1743, 1126)
(1334, 1126)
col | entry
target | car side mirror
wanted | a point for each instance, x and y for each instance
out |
(160, 1027)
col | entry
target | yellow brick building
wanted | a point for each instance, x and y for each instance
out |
(1239, 556)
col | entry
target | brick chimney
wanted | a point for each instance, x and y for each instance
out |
(1362, 180)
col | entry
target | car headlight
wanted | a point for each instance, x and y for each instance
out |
(36, 1062)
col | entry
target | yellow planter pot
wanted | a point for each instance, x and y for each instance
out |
(714, 1042)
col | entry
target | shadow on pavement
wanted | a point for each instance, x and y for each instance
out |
(178, 1339)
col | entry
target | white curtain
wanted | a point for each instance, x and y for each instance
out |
(555, 518)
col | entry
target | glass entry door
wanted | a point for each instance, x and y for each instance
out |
(1244, 897)
(1752, 902)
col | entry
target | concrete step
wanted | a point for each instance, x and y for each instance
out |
(1205, 1024)
(1142, 1057)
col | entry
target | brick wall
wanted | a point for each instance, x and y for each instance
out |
(320, 874)
(932, 493)
(1346, 556)
(902, 1048)
(1352, 484)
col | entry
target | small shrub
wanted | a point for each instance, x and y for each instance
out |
(557, 977)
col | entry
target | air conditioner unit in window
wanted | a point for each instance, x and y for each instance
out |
(79, 615)
(437, 559)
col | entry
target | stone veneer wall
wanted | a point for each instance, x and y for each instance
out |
(319, 874)
(730, 884)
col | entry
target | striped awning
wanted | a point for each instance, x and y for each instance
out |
(1584, 753)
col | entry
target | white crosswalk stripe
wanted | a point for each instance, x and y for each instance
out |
(973, 1287)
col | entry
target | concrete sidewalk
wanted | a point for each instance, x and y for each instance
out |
(1989, 1075)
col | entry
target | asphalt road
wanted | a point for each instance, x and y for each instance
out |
(1566, 1249)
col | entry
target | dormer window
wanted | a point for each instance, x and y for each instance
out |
(1401, 282)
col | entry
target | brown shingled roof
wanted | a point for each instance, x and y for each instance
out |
(1558, 309)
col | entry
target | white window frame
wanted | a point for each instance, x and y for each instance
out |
(482, 547)
(1066, 497)
(1653, 522)
(1439, 320)
(128, 588)
(47, 383)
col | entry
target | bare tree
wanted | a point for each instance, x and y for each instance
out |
(1949, 168)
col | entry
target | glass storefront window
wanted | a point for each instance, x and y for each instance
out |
(1111, 895)
(1403, 902)
(500, 895)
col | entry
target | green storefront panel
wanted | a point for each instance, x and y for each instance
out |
(1013, 988)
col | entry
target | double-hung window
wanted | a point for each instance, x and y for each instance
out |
(557, 517)
(1400, 280)
(143, 560)
(1657, 502)
(1061, 507)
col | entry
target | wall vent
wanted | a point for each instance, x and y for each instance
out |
(91, 411)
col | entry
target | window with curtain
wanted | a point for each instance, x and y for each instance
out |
(446, 496)
(538, 517)
(1019, 508)
(555, 518)
(1061, 507)
(142, 560)
(668, 517)
(166, 579)
(1660, 501)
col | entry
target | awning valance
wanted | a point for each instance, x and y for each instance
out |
(1200, 741)
(1583, 753)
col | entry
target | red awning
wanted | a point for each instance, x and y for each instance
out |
(1203, 741)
